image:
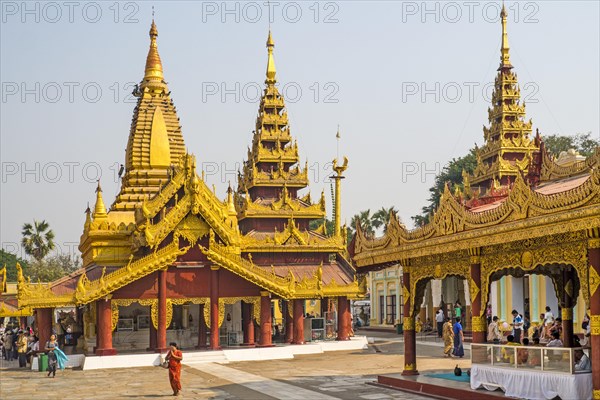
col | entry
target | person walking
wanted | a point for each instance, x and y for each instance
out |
(8, 342)
(448, 337)
(494, 335)
(22, 349)
(174, 358)
(51, 345)
(457, 330)
(439, 319)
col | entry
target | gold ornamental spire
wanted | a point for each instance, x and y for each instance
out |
(504, 49)
(154, 69)
(99, 208)
(271, 72)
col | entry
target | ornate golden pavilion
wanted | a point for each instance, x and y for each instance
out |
(168, 241)
(528, 214)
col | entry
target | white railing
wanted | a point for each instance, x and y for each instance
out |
(528, 358)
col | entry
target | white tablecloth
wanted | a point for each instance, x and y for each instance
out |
(533, 385)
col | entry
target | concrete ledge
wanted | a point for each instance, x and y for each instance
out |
(75, 361)
(223, 356)
(121, 361)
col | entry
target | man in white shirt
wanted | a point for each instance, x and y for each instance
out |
(439, 319)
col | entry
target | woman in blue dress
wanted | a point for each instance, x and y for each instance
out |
(55, 356)
(458, 339)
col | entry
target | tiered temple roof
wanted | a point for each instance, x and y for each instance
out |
(269, 184)
(508, 147)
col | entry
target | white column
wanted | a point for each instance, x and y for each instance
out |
(467, 293)
(551, 299)
(517, 295)
(494, 299)
(436, 292)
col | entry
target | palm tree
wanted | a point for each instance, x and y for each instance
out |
(38, 239)
(363, 218)
(382, 217)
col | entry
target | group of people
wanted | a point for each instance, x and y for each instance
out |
(453, 337)
(18, 344)
(23, 344)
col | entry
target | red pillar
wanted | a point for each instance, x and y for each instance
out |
(214, 308)
(23, 322)
(104, 329)
(265, 320)
(247, 317)
(478, 324)
(152, 332)
(410, 343)
(289, 322)
(43, 321)
(594, 257)
(161, 331)
(344, 319)
(201, 328)
(298, 337)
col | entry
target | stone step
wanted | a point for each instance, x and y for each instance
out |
(203, 357)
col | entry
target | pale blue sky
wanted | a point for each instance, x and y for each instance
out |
(365, 69)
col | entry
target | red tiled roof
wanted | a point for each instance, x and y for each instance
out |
(330, 272)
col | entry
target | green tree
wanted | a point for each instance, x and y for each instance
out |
(317, 223)
(53, 267)
(38, 239)
(11, 260)
(363, 218)
(452, 174)
(581, 142)
(381, 217)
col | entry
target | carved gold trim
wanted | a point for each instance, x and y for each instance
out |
(410, 367)
(567, 313)
(595, 325)
(41, 295)
(408, 324)
(523, 215)
(594, 280)
(478, 324)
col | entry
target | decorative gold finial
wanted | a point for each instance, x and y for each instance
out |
(99, 208)
(271, 79)
(504, 50)
(154, 71)
(339, 170)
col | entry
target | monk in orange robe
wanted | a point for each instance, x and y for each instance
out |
(174, 358)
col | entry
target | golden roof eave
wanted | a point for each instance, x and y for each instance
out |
(41, 295)
(524, 213)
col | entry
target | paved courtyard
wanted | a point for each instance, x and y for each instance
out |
(329, 376)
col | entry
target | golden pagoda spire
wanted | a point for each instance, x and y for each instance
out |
(504, 49)
(508, 147)
(88, 217)
(99, 208)
(271, 71)
(153, 76)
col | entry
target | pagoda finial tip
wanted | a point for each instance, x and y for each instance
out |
(271, 71)
(153, 75)
(504, 49)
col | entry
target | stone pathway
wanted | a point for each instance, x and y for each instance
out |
(336, 375)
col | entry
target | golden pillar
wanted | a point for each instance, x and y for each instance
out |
(339, 170)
